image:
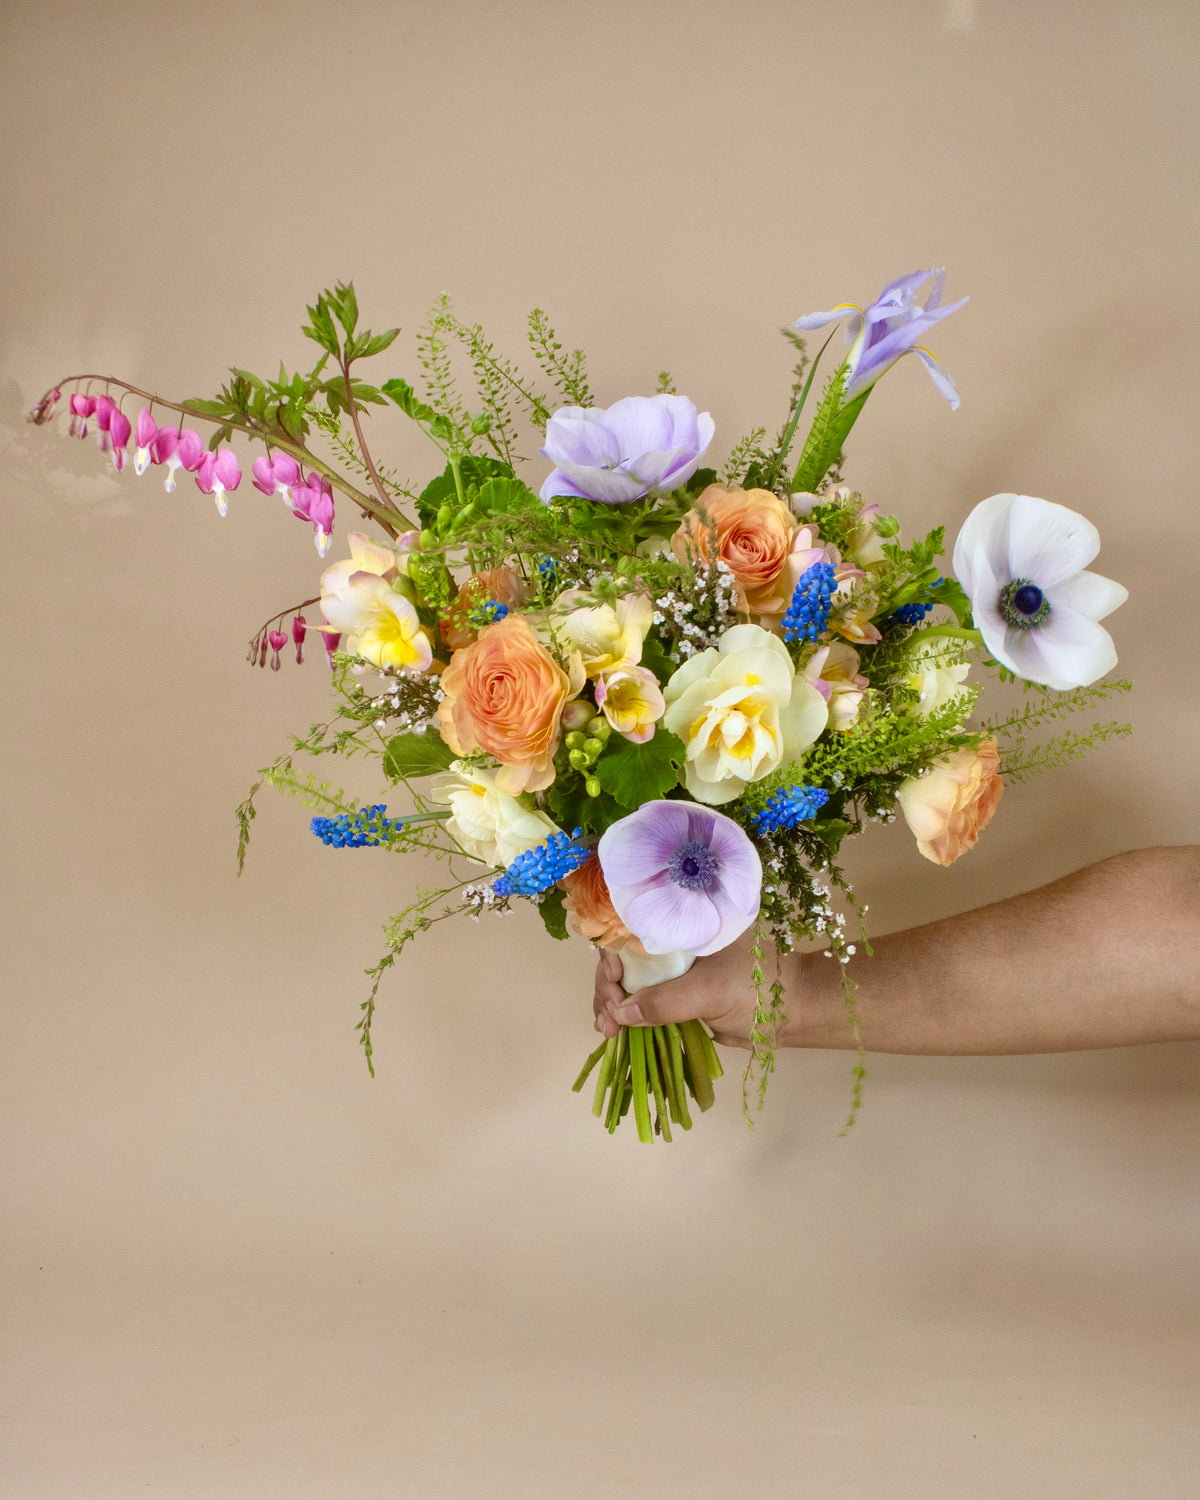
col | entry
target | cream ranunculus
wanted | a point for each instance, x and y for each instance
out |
(605, 637)
(742, 711)
(491, 826)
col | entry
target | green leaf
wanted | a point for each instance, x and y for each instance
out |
(654, 657)
(378, 342)
(320, 327)
(501, 496)
(571, 807)
(408, 755)
(828, 433)
(209, 408)
(634, 774)
(952, 594)
(700, 481)
(345, 305)
(554, 913)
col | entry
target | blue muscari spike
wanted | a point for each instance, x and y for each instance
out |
(367, 826)
(488, 613)
(538, 869)
(808, 613)
(790, 807)
(547, 570)
(910, 614)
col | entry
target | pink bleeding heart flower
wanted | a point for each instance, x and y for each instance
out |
(217, 474)
(144, 438)
(105, 406)
(188, 453)
(119, 429)
(278, 641)
(332, 639)
(299, 630)
(81, 409)
(320, 513)
(275, 474)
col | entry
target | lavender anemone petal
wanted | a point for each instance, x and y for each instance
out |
(681, 876)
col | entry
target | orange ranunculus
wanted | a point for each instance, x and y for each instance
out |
(758, 538)
(505, 694)
(950, 806)
(590, 910)
(503, 584)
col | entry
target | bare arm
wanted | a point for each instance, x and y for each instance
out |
(1106, 957)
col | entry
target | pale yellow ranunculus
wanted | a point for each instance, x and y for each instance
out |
(605, 637)
(742, 711)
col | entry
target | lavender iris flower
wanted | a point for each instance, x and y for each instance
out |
(681, 876)
(642, 443)
(891, 326)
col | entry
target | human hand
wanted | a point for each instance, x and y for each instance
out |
(716, 990)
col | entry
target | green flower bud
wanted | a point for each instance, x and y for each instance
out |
(442, 520)
(428, 539)
(592, 748)
(574, 740)
(599, 728)
(592, 787)
(481, 424)
(578, 759)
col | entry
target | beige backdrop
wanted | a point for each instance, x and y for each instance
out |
(236, 1267)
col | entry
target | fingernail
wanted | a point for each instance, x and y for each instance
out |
(628, 1015)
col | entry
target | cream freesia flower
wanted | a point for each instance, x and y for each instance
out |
(631, 700)
(741, 710)
(491, 826)
(935, 679)
(833, 671)
(379, 625)
(605, 636)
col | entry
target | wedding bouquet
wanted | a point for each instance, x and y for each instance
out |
(648, 699)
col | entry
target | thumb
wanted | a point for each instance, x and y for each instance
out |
(660, 1004)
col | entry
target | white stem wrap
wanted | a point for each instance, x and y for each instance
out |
(644, 969)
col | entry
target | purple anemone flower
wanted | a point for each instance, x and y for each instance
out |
(642, 443)
(894, 324)
(681, 876)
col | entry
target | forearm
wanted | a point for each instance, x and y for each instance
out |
(1107, 957)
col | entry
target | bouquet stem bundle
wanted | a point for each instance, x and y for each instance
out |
(660, 1063)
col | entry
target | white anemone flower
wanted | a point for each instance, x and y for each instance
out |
(1021, 561)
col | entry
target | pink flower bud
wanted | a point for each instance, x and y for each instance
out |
(333, 640)
(118, 432)
(44, 410)
(278, 641)
(262, 652)
(320, 513)
(299, 630)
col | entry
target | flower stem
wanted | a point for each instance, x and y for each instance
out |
(947, 632)
(660, 1107)
(593, 1059)
(690, 1033)
(604, 1077)
(392, 520)
(641, 1102)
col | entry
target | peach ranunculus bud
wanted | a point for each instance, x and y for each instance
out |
(952, 803)
(759, 540)
(590, 910)
(503, 584)
(505, 695)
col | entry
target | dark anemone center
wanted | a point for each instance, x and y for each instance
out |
(693, 867)
(1023, 604)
